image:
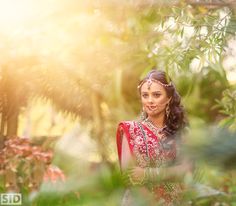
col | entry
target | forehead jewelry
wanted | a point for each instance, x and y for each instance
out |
(150, 81)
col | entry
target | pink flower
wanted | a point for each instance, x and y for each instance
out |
(54, 174)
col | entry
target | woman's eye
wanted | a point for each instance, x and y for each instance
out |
(156, 95)
(144, 95)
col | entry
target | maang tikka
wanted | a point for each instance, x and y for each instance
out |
(149, 82)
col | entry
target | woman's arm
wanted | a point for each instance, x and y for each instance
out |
(172, 173)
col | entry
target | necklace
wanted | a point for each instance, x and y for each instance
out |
(158, 131)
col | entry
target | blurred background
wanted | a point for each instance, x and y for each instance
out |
(69, 71)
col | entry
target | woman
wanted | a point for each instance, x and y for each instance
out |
(147, 148)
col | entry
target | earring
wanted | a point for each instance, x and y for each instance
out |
(167, 111)
(143, 115)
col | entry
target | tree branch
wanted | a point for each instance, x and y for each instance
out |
(212, 3)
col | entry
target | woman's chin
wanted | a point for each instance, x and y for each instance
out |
(155, 113)
(152, 113)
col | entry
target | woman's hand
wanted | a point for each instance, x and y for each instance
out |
(133, 176)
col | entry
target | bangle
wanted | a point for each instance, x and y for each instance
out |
(152, 174)
(137, 182)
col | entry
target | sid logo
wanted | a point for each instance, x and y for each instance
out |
(10, 199)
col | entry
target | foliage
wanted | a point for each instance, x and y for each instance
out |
(101, 186)
(23, 164)
(228, 108)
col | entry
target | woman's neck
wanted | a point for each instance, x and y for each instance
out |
(157, 121)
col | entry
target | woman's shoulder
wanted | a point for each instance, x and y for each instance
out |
(127, 123)
(128, 128)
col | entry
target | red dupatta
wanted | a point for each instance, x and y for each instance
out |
(147, 148)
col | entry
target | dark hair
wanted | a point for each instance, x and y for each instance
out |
(176, 119)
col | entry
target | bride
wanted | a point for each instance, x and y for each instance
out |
(148, 148)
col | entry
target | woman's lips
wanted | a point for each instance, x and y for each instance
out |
(152, 107)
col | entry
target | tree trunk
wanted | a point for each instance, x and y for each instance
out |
(3, 121)
(2, 130)
(12, 123)
(98, 125)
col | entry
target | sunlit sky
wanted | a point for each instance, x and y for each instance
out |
(16, 14)
(22, 25)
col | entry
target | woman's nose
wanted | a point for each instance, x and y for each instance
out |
(150, 99)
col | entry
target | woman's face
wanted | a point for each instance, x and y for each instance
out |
(154, 99)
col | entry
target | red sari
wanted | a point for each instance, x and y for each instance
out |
(150, 148)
